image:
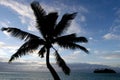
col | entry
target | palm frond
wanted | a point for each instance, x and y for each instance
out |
(79, 39)
(28, 46)
(38, 10)
(71, 45)
(65, 38)
(62, 64)
(42, 52)
(51, 19)
(40, 17)
(19, 33)
(71, 38)
(64, 23)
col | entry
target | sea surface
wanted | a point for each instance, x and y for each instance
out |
(47, 76)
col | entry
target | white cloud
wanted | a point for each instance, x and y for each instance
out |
(75, 28)
(5, 23)
(23, 20)
(111, 56)
(82, 18)
(2, 44)
(3, 54)
(24, 11)
(74, 56)
(5, 46)
(90, 38)
(108, 54)
(52, 8)
(26, 14)
(83, 9)
(20, 8)
(109, 36)
(32, 27)
(114, 32)
(5, 50)
(115, 29)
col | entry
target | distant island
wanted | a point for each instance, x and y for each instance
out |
(104, 71)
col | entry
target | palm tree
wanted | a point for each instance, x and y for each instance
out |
(51, 33)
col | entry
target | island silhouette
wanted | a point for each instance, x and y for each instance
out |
(104, 71)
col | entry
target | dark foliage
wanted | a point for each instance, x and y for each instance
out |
(63, 24)
(40, 17)
(71, 38)
(70, 45)
(20, 34)
(62, 64)
(28, 46)
(42, 51)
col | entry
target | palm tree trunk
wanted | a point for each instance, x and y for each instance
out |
(51, 69)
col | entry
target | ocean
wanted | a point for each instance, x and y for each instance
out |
(47, 76)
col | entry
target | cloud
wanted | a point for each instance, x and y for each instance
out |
(111, 36)
(20, 8)
(82, 18)
(75, 56)
(3, 54)
(114, 32)
(6, 50)
(5, 46)
(75, 28)
(108, 55)
(24, 11)
(111, 55)
(5, 23)
(4, 66)
(51, 8)
(83, 9)
(2, 44)
(27, 17)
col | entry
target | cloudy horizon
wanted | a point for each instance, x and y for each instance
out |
(35, 67)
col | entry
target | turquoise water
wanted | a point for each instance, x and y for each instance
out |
(47, 76)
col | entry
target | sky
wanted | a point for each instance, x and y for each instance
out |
(97, 20)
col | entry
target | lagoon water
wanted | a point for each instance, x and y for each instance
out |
(47, 76)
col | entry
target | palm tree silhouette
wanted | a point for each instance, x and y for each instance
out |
(51, 32)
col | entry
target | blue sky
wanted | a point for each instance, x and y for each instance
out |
(98, 20)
